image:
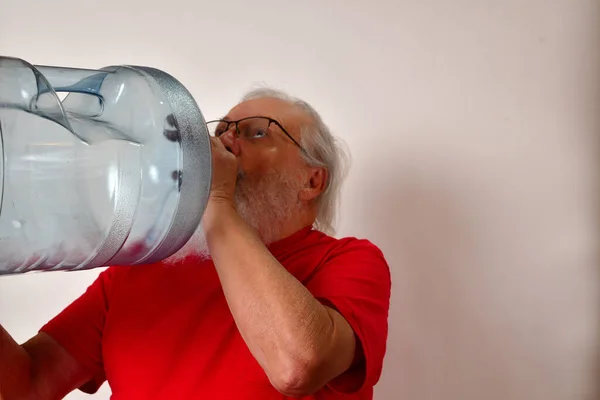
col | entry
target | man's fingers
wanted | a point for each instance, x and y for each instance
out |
(216, 143)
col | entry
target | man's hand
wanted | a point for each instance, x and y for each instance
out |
(39, 369)
(224, 179)
(225, 169)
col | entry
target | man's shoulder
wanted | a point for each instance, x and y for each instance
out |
(348, 242)
(346, 247)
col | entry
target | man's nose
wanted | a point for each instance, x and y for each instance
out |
(231, 141)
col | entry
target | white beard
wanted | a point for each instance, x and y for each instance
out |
(265, 204)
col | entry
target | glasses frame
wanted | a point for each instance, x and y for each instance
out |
(271, 121)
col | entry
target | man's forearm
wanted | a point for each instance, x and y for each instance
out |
(15, 369)
(284, 326)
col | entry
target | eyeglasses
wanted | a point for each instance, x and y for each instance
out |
(248, 128)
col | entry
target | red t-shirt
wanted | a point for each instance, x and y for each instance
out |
(166, 332)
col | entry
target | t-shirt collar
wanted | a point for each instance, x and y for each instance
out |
(281, 245)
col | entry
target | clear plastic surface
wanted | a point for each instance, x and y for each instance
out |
(94, 166)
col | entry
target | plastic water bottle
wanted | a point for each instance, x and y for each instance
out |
(97, 167)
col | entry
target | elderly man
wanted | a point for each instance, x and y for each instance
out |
(260, 304)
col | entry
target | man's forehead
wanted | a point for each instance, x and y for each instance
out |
(277, 109)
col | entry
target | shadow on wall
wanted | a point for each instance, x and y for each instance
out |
(596, 193)
(596, 260)
(479, 309)
(422, 225)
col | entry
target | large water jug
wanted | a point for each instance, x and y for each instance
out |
(98, 167)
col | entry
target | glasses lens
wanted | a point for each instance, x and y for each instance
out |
(254, 128)
(218, 128)
(249, 128)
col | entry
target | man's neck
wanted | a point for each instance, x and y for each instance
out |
(296, 223)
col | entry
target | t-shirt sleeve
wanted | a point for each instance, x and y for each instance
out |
(355, 280)
(80, 326)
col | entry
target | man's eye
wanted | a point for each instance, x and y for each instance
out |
(259, 133)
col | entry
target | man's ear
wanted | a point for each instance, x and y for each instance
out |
(315, 184)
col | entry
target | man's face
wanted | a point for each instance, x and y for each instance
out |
(275, 150)
(270, 166)
(271, 172)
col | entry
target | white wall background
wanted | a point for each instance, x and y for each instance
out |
(474, 131)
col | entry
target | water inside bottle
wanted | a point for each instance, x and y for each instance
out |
(92, 167)
(56, 188)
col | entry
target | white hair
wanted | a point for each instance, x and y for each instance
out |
(321, 149)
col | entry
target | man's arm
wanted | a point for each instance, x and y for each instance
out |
(39, 369)
(15, 367)
(300, 343)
